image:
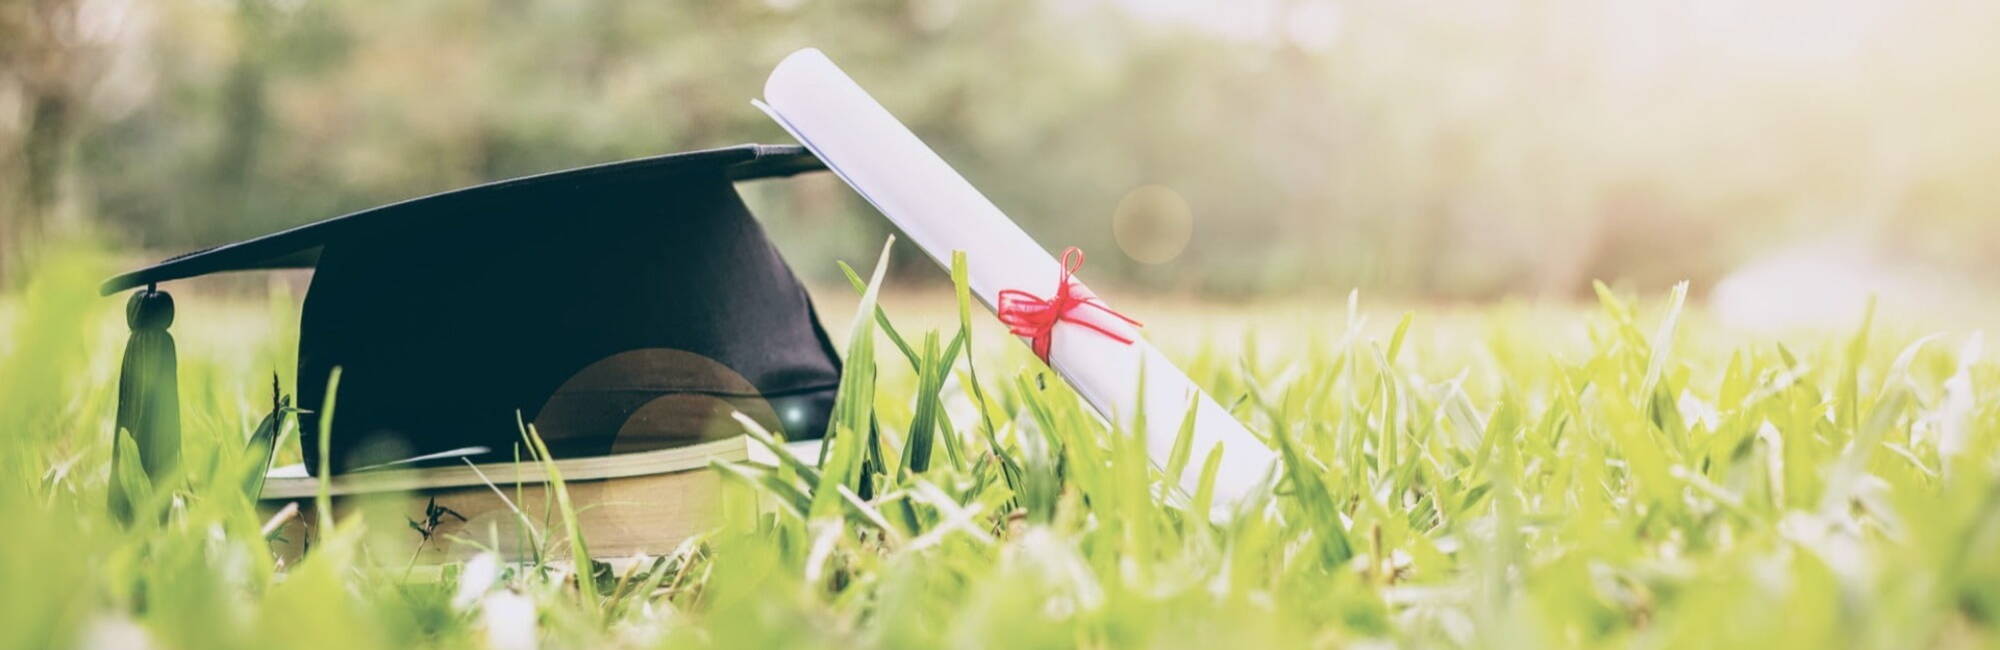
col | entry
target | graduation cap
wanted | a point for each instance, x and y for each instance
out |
(620, 307)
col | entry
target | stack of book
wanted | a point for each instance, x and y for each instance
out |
(626, 504)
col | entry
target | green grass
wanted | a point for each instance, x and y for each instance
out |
(1622, 474)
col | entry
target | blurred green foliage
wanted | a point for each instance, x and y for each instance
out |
(1457, 149)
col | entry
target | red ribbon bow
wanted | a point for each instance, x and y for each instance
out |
(1029, 315)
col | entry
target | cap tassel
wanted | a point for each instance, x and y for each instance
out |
(148, 393)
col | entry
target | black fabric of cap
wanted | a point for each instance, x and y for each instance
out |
(618, 308)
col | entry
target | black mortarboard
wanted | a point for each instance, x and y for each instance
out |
(619, 307)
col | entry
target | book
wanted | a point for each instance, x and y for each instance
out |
(627, 504)
(889, 166)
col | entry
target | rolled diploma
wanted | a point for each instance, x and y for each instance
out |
(942, 212)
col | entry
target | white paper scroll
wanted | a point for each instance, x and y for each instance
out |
(938, 209)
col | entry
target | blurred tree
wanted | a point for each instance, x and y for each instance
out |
(1458, 151)
(49, 62)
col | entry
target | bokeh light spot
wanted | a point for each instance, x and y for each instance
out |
(1152, 224)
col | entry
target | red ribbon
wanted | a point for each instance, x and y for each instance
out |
(1031, 316)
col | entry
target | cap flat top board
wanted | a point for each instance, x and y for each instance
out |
(295, 247)
(619, 308)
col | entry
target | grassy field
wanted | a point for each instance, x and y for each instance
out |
(1618, 474)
